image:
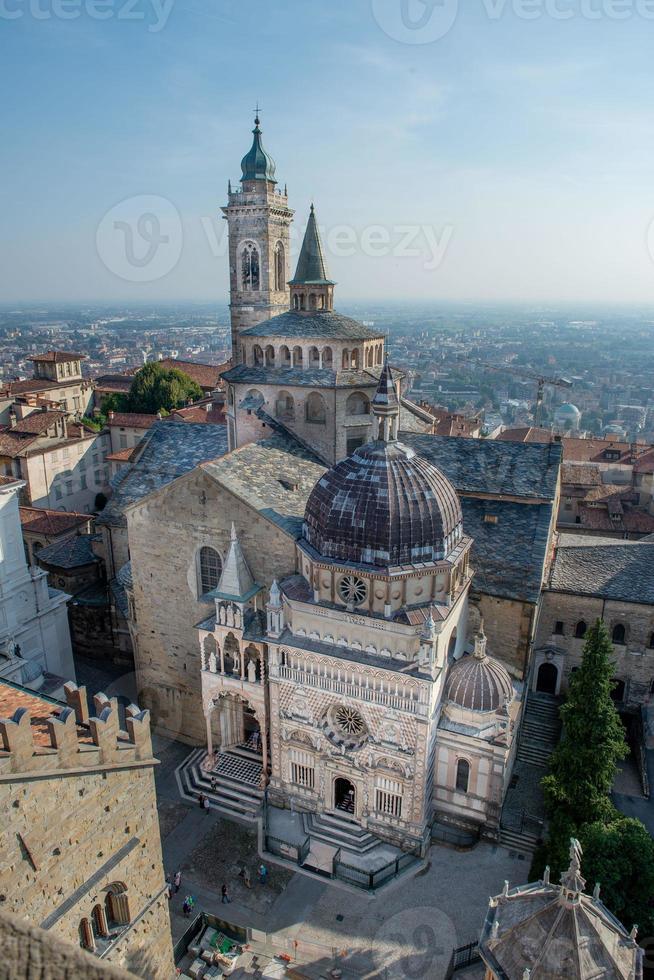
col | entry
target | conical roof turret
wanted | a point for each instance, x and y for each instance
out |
(311, 268)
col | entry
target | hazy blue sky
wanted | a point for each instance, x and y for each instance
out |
(523, 146)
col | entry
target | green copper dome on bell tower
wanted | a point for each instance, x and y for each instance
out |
(257, 164)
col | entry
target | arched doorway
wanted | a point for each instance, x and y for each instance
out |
(344, 795)
(547, 678)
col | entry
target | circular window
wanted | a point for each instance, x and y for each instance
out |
(352, 590)
(349, 721)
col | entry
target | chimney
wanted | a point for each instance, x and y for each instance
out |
(44, 408)
(12, 420)
(111, 416)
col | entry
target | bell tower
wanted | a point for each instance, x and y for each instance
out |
(259, 221)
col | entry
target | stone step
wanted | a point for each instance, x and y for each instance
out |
(224, 786)
(355, 839)
(534, 759)
(523, 842)
(234, 799)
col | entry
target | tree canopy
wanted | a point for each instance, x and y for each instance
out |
(584, 764)
(155, 389)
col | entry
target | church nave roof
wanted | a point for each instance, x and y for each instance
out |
(318, 325)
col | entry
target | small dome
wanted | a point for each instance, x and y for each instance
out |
(568, 410)
(257, 164)
(383, 505)
(479, 682)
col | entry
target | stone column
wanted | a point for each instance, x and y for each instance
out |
(207, 716)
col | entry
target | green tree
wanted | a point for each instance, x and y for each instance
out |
(620, 856)
(114, 402)
(159, 389)
(584, 764)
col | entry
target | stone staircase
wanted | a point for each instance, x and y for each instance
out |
(338, 832)
(540, 730)
(237, 773)
(519, 840)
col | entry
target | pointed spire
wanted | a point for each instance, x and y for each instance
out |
(311, 268)
(385, 405)
(480, 643)
(572, 881)
(257, 164)
(236, 580)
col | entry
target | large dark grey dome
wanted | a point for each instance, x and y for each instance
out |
(384, 505)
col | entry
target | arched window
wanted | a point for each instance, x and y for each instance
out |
(618, 691)
(357, 404)
(250, 276)
(211, 567)
(99, 922)
(270, 356)
(346, 359)
(296, 302)
(86, 940)
(280, 268)
(651, 642)
(558, 628)
(356, 358)
(327, 358)
(284, 356)
(314, 357)
(369, 357)
(619, 634)
(208, 647)
(116, 905)
(257, 355)
(315, 408)
(285, 406)
(380, 354)
(462, 775)
(313, 301)
(297, 357)
(580, 629)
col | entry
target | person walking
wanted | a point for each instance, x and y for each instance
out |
(263, 873)
(205, 804)
(247, 879)
(186, 908)
(177, 880)
(225, 895)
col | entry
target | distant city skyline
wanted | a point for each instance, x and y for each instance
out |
(504, 160)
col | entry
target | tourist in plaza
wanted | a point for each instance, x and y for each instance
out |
(246, 878)
(177, 881)
(225, 895)
(263, 873)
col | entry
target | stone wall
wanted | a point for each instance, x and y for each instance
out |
(634, 660)
(80, 820)
(195, 511)
(509, 625)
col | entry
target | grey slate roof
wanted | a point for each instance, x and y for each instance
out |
(623, 571)
(491, 467)
(274, 476)
(319, 324)
(508, 557)
(301, 377)
(72, 552)
(169, 450)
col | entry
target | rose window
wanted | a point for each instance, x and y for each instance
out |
(349, 721)
(345, 726)
(352, 590)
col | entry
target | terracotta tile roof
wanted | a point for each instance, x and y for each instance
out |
(598, 450)
(58, 357)
(6, 481)
(580, 474)
(526, 434)
(200, 413)
(14, 444)
(40, 709)
(645, 463)
(121, 456)
(30, 385)
(114, 382)
(42, 521)
(133, 420)
(206, 375)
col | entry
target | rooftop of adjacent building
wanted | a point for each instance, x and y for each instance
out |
(39, 520)
(313, 325)
(71, 553)
(618, 570)
(57, 357)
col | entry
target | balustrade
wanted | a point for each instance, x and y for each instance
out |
(401, 701)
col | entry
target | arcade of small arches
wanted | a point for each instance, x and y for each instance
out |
(549, 674)
(310, 357)
(357, 406)
(242, 722)
(233, 658)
